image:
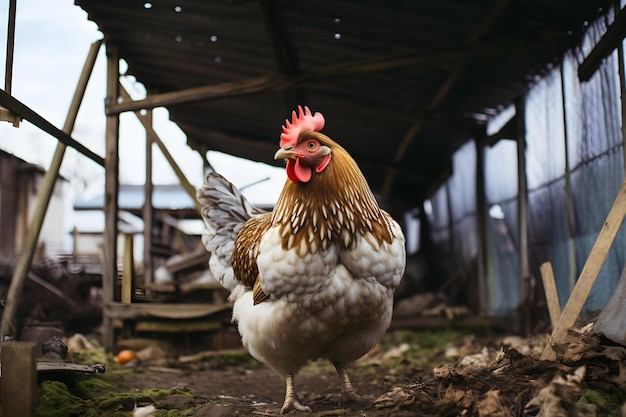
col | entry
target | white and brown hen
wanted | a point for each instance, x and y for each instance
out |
(314, 278)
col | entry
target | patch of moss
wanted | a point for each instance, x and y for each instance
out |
(236, 359)
(608, 401)
(204, 408)
(427, 340)
(423, 345)
(448, 408)
(91, 357)
(176, 405)
(55, 400)
(95, 385)
(175, 413)
(112, 403)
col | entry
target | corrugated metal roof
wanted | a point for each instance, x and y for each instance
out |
(378, 70)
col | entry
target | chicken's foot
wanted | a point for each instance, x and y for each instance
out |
(291, 398)
(348, 393)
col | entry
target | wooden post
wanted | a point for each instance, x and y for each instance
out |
(622, 78)
(8, 69)
(589, 273)
(481, 225)
(109, 267)
(569, 204)
(128, 269)
(45, 193)
(552, 297)
(191, 190)
(522, 216)
(19, 379)
(147, 210)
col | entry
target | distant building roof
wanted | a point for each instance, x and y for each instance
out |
(131, 198)
(25, 165)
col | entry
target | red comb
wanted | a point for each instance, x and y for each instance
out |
(304, 120)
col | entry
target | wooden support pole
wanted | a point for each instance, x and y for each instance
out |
(128, 271)
(109, 267)
(43, 199)
(147, 210)
(19, 379)
(8, 69)
(522, 215)
(589, 273)
(552, 297)
(622, 82)
(191, 190)
(481, 226)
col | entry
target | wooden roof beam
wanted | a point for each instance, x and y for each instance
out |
(605, 47)
(20, 109)
(443, 92)
(285, 51)
(455, 55)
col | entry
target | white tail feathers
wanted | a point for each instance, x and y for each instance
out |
(224, 211)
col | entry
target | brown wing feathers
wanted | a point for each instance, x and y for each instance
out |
(246, 251)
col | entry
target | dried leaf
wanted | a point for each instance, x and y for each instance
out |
(492, 406)
(397, 397)
(560, 398)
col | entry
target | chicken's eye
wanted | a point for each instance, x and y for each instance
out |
(311, 145)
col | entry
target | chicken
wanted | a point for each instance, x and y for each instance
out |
(314, 278)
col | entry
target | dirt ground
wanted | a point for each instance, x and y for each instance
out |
(411, 373)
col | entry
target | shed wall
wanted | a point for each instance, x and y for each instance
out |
(574, 168)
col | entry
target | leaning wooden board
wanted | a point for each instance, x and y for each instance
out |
(589, 273)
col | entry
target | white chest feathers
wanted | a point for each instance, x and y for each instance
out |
(296, 275)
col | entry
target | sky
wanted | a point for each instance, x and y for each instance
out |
(52, 41)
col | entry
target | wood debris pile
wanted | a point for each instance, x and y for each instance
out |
(507, 379)
(55, 292)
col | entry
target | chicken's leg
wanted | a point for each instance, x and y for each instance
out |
(291, 398)
(348, 393)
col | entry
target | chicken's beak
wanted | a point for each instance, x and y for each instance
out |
(285, 153)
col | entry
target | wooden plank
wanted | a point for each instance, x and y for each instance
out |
(177, 326)
(199, 257)
(67, 367)
(184, 288)
(161, 310)
(552, 297)
(589, 273)
(19, 379)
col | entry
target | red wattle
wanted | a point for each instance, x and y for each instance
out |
(298, 172)
(303, 171)
(291, 171)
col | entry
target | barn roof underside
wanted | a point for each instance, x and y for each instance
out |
(402, 83)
